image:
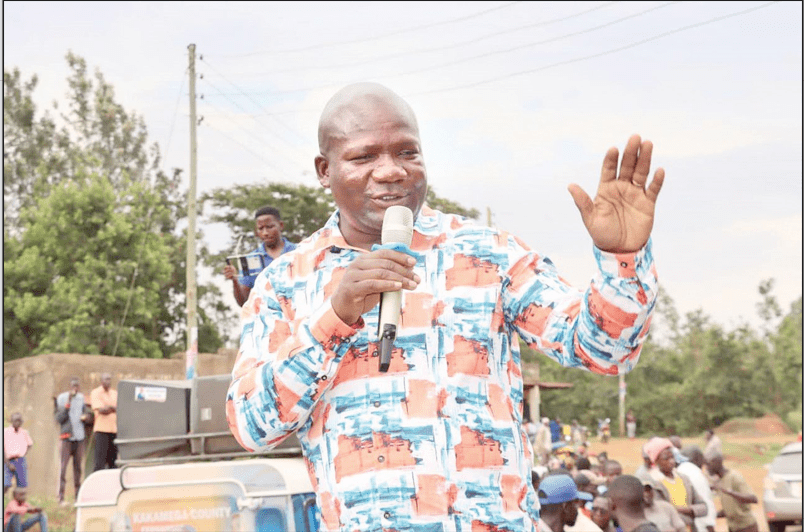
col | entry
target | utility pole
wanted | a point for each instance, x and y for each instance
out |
(622, 405)
(191, 361)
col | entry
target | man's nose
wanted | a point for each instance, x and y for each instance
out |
(388, 169)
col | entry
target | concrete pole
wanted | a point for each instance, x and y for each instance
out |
(191, 362)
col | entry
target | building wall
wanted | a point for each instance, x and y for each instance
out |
(30, 384)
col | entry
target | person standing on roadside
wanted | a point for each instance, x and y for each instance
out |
(713, 445)
(104, 404)
(71, 416)
(630, 424)
(16, 442)
(735, 496)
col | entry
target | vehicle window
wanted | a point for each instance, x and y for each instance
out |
(270, 520)
(787, 464)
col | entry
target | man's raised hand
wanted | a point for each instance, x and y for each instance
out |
(620, 218)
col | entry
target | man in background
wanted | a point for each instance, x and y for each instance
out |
(713, 445)
(104, 404)
(735, 496)
(693, 469)
(559, 498)
(268, 227)
(70, 415)
(628, 505)
(16, 442)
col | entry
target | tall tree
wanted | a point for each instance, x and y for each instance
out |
(101, 153)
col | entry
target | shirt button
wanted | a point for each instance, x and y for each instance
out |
(377, 404)
(624, 264)
(381, 458)
(387, 515)
(323, 377)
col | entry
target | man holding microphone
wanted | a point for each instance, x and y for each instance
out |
(438, 440)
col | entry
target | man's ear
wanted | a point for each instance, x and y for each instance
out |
(322, 170)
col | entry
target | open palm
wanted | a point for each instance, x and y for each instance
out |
(620, 218)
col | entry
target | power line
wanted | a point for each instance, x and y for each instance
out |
(175, 113)
(434, 49)
(250, 115)
(280, 122)
(487, 54)
(368, 39)
(537, 43)
(592, 56)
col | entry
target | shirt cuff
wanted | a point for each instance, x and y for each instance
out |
(330, 330)
(625, 265)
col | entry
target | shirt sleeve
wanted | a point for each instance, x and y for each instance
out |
(284, 365)
(601, 329)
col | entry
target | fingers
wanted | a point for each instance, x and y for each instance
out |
(652, 192)
(642, 164)
(609, 171)
(582, 200)
(629, 158)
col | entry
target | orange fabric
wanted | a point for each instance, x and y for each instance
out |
(100, 398)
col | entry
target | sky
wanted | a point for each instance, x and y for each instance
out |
(515, 101)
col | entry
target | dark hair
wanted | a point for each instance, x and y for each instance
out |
(583, 463)
(267, 209)
(626, 491)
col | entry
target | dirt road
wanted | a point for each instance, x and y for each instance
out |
(629, 454)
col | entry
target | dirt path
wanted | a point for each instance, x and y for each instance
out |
(629, 454)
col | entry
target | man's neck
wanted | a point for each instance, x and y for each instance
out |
(630, 522)
(554, 522)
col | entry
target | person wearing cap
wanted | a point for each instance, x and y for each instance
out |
(628, 505)
(661, 513)
(671, 485)
(559, 497)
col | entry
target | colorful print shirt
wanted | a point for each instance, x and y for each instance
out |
(437, 442)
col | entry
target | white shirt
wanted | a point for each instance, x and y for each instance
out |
(701, 485)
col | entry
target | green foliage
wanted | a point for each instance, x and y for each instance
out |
(93, 259)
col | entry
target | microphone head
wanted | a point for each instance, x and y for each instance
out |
(397, 225)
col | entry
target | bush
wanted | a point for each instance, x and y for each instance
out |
(793, 420)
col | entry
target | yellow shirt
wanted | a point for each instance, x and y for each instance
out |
(98, 399)
(677, 491)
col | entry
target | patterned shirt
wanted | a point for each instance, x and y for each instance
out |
(437, 442)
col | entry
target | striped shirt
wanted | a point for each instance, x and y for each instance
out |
(437, 442)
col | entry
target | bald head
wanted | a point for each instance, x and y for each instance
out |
(352, 107)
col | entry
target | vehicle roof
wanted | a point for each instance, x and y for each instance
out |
(794, 447)
(256, 475)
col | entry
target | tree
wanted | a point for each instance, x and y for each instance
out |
(109, 231)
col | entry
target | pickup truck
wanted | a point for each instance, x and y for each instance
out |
(171, 479)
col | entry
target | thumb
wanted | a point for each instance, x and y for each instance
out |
(582, 200)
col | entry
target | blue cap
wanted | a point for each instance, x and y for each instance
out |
(556, 489)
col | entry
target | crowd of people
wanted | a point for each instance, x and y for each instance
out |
(674, 490)
(76, 417)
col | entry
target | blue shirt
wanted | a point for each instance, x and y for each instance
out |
(248, 280)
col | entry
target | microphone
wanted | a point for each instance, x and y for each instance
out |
(397, 227)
